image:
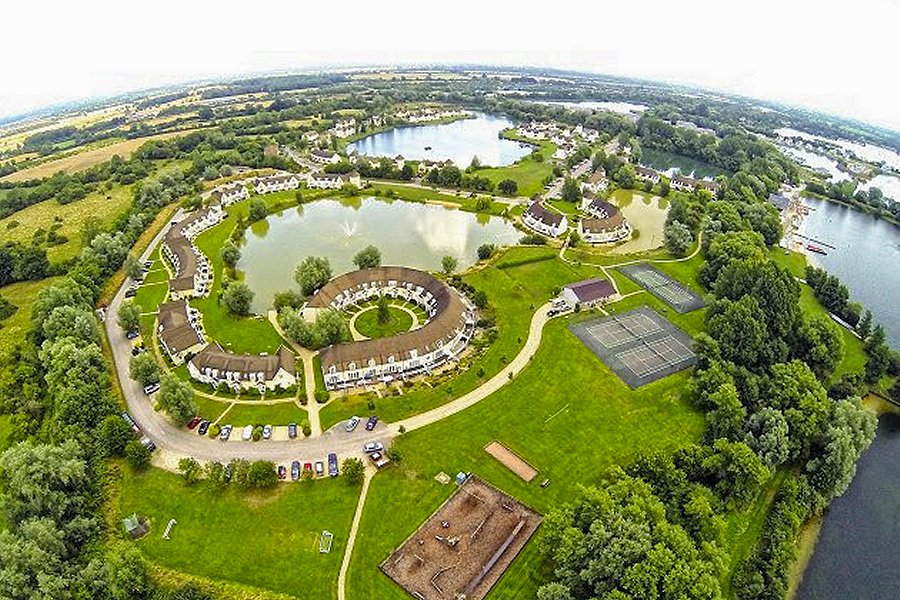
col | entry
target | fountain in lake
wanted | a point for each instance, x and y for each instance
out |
(350, 229)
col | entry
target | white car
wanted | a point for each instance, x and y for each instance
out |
(248, 433)
(352, 423)
(267, 432)
(320, 468)
(373, 447)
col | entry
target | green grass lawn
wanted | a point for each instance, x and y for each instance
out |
(23, 295)
(237, 334)
(265, 414)
(104, 205)
(267, 539)
(566, 414)
(528, 173)
(367, 323)
(516, 284)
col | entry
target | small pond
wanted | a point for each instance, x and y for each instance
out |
(408, 234)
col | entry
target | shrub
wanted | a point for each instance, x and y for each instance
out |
(214, 431)
(137, 455)
(322, 396)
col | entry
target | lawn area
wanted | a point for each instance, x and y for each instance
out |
(519, 281)
(265, 414)
(528, 173)
(23, 295)
(238, 334)
(86, 159)
(367, 323)
(566, 414)
(104, 205)
(267, 539)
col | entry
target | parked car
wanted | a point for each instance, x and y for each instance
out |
(267, 432)
(225, 433)
(320, 468)
(371, 422)
(128, 419)
(248, 433)
(148, 443)
(204, 426)
(194, 422)
(373, 447)
(151, 388)
(295, 470)
(131, 334)
(148, 264)
(352, 423)
(332, 465)
(307, 467)
(292, 430)
(130, 292)
(282, 472)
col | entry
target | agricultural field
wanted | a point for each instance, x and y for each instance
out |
(104, 205)
(86, 159)
(267, 539)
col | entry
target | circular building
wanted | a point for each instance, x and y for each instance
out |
(451, 320)
(604, 223)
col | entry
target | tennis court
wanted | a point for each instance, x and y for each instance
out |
(670, 291)
(640, 346)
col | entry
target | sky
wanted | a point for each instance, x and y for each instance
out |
(838, 57)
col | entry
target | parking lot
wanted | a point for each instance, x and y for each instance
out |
(639, 346)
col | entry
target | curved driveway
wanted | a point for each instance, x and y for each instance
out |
(176, 442)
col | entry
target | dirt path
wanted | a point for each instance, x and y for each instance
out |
(354, 528)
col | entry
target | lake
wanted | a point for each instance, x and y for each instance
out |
(458, 141)
(668, 163)
(646, 214)
(866, 258)
(408, 234)
(856, 555)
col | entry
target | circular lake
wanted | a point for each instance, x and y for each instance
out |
(408, 234)
(459, 141)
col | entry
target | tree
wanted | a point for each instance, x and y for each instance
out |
(137, 455)
(768, 436)
(571, 191)
(485, 251)
(191, 470)
(448, 264)
(78, 322)
(820, 344)
(864, 327)
(144, 369)
(384, 312)
(626, 176)
(480, 299)
(288, 298)
(262, 474)
(678, 238)
(312, 273)
(129, 317)
(120, 574)
(258, 210)
(230, 254)
(330, 328)
(354, 470)
(237, 298)
(133, 268)
(508, 187)
(367, 258)
(739, 471)
(739, 328)
(177, 398)
(114, 433)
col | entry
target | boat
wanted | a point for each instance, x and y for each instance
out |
(427, 148)
(816, 249)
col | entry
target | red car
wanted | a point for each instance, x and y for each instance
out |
(194, 422)
(307, 467)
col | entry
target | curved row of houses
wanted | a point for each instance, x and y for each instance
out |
(451, 321)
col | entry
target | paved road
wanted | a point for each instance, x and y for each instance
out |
(176, 442)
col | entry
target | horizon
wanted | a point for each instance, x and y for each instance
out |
(700, 46)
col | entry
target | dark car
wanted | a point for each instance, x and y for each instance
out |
(292, 430)
(130, 292)
(282, 472)
(146, 443)
(128, 419)
(295, 470)
(130, 335)
(204, 426)
(371, 422)
(332, 464)
(194, 422)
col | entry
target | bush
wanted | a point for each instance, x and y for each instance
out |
(485, 251)
(354, 470)
(322, 396)
(191, 471)
(114, 435)
(214, 431)
(137, 455)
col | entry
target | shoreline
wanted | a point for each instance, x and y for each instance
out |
(808, 538)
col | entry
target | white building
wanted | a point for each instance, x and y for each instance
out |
(276, 183)
(325, 157)
(545, 222)
(333, 181)
(227, 195)
(215, 366)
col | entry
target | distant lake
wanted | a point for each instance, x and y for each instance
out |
(622, 108)
(669, 162)
(866, 258)
(868, 152)
(407, 233)
(458, 141)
